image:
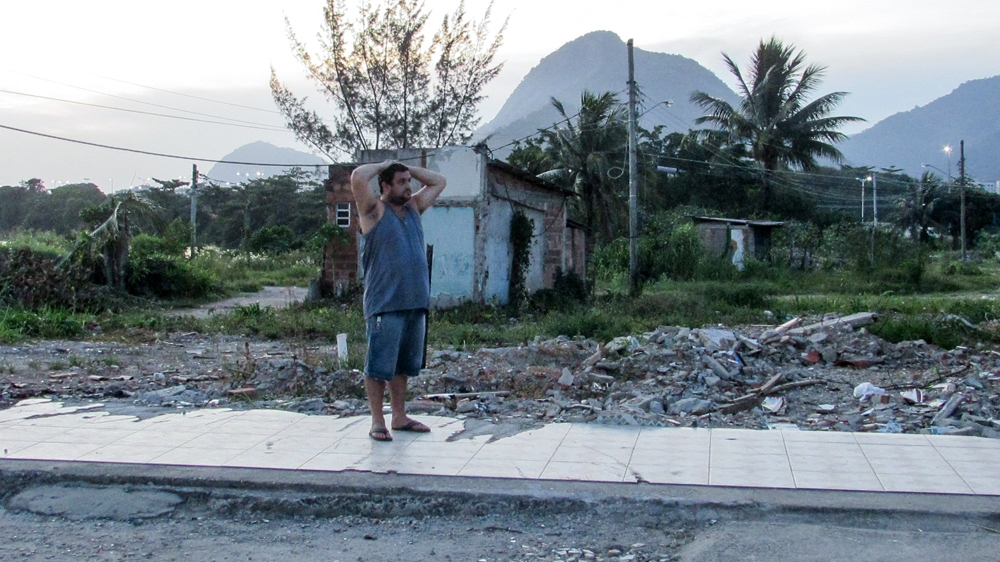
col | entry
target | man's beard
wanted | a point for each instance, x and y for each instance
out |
(399, 200)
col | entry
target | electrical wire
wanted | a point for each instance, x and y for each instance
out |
(552, 127)
(138, 101)
(159, 154)
(265, 127)
(180, 93)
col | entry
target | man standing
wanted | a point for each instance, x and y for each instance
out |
(397, 287)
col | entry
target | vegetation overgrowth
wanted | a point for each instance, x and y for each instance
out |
(73, 259)
(948, 303)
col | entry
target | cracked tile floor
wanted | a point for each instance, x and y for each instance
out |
(39, 429)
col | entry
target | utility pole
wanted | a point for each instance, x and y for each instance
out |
(874, 212)
(194, 209)
(633, 182)
(961, 179)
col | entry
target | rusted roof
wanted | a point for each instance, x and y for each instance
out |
(529, 177)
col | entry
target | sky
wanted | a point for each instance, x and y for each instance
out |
(207, 64)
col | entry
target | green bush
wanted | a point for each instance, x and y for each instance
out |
(17, 324)
(987, 243)
(737, 295)
(568, 290)
(272, 240)
(174, 242)
(42, 243)
(248, 272)
(169, 278)
(946, 335)
(669, 247)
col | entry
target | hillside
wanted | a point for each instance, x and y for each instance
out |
(911, 138)
(261, 152)
(597, 62)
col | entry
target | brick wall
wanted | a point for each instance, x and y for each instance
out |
(340, 259)
(555, 240)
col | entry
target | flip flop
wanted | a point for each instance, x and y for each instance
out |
(380, 434)
(414, 426)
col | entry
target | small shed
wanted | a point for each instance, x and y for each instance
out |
(469, 226)
(737, 238)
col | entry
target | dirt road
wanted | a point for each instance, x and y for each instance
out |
(275, 297)
(73, 521)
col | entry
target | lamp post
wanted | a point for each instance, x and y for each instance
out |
(863, 180)
(933, 168)
(947, 150)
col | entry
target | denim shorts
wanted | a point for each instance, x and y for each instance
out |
(395, 344)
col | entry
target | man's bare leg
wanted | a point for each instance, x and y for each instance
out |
(397, 397)
(376, 394)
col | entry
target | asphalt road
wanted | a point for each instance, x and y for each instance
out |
(61, 511)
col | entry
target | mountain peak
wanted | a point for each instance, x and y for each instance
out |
(260, 152)
(971, 112)
(598, 62)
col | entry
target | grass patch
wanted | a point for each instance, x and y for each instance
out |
(239, 271)
(48, 323)
(46, 243)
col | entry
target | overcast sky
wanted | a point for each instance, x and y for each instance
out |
(891, 55)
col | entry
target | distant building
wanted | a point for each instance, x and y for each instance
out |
(737, 238)
(468, 227)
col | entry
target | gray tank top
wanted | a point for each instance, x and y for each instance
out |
(394, 262)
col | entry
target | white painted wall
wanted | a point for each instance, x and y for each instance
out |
(462, 167)
(452, 232)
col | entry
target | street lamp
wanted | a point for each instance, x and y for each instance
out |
(933, 167)
(863, 180)
(947, 150)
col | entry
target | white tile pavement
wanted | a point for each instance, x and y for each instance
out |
(45, 430)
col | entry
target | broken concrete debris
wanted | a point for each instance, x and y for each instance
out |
(823, 373)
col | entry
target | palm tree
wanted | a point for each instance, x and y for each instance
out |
(107, 246)
(916, 209)
(774, 122)
(582, 150)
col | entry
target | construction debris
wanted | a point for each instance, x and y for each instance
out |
(823, 373)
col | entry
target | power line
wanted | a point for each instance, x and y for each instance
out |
(159, 154)
(190, 158)
(551, 127)
(182, 94)
(135, 100)
(265, 128)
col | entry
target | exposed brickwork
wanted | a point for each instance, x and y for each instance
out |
(555, 241)
(340, 259)
(563, 244)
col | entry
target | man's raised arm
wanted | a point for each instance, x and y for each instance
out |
(364, 196)
(434, 184)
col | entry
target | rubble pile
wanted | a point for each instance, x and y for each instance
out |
(817, 373)
(822, 374)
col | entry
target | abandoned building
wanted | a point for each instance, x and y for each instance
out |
(736, 238)
(469, 228)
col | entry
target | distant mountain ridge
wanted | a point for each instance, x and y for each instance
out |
(597, 62)
(908, 139)
(263, 153)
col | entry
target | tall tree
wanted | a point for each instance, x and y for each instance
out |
(915, 209)
(582, 149)
(774, 123)
(391, 88)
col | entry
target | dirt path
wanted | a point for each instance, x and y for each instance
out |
(275, 297)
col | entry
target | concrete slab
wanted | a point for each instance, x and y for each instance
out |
(730, 458)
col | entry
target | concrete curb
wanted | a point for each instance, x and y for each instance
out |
(298, 492)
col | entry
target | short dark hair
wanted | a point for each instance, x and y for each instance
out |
(389, 174)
